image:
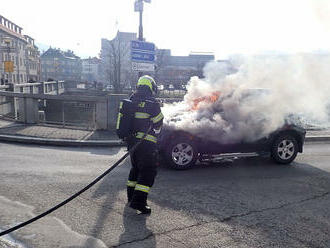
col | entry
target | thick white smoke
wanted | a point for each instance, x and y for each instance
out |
(256, 100)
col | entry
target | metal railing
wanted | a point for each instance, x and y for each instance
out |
(68, 113)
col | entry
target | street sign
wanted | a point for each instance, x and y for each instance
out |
(142, 57)
(143, 66)
(9, 66)
(141, 45)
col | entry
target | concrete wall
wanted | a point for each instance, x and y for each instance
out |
(28, 110)
(113, 107)
(100, 111)
(6, 106)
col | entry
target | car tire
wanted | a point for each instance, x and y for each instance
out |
(284, 149)
(181, 153)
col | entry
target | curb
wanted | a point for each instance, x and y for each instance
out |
(61, 142)
(98, 143)
(317, 138)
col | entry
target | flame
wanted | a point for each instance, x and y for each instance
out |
(207, 99)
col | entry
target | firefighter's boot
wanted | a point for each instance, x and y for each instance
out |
(130, 192)
(139, 202)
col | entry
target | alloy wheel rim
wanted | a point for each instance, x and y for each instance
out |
(182, 154)
(285, 149)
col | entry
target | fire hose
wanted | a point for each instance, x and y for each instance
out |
(132, 149)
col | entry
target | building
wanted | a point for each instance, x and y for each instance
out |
(177, 70)
(116, 65)
(18, 55)
(60, 65)
(33, 66)
(91, 70)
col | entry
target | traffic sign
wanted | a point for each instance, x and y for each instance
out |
(142, 57)
(143, 66)
(9, 66)
(141, 45)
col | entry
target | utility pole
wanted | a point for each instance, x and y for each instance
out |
(141, 24)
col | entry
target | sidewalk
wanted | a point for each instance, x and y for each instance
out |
(55, 135)
(65, 136)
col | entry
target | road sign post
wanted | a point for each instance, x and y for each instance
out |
(138, 7)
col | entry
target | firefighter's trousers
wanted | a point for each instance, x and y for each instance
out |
(143, 172)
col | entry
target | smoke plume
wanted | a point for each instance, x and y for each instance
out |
(264, 93)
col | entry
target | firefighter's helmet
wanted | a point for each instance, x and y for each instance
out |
(149, 83)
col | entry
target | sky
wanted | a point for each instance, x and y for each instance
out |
(224, 27)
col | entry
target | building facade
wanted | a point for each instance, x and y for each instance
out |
(33, 66)
(60, 65)
(91, 70)
(177, 70)
(17, 54)
(116, 65)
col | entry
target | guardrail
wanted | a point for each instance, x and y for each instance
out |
(52, 87)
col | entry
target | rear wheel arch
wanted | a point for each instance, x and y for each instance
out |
(291, 133)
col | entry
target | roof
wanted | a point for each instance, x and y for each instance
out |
(58, 53)
(12, 33)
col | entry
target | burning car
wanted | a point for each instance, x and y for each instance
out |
(182, 149)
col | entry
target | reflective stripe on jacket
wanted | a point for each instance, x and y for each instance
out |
(147, 113)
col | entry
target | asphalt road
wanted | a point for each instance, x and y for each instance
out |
(249, 203)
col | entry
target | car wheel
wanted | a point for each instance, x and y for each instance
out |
(181, 153)
(284, 149)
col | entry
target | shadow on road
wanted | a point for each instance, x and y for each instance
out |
(133, 227)
(134, 224)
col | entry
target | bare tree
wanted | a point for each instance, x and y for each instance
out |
(115, 61)
(161, 60)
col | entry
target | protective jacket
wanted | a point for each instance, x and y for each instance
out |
(147, 113)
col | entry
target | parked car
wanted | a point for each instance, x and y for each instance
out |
(181, 149)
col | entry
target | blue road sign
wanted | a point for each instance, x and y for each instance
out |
(142, 56)
(142, 46)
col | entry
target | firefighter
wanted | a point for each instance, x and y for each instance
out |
(143, 172)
